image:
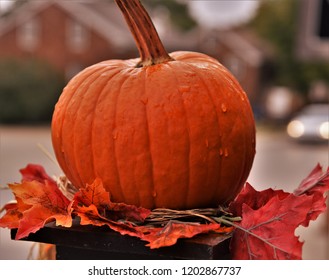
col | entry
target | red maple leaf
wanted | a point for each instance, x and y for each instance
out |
(253, 198)
(35, 172)
(315, 185)
(268, 232)
(270, 217)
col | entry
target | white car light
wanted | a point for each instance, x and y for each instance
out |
(324, 130)
(295, 129)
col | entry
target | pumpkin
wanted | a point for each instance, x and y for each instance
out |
(166, 130)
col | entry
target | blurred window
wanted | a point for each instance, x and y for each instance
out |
(28, 35)
(313, 33)
(324, 20)
(77, 36)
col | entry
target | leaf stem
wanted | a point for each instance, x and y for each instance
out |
(227, 222)
(224, 221)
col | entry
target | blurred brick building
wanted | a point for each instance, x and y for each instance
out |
(72, 35)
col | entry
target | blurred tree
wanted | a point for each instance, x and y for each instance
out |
(277, 22)
(28, 91)
(179, 13)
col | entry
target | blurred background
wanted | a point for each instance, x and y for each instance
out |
(277, 49)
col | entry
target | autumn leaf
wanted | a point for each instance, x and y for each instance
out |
(315, 185)
(270, 217)
(174, 230)
(253, 198)
(93, 206)
(95, 194)
(46, 203)
(35, 172)
(156, 237)
(119, 211)
(89, 215)
(315, 179)
(268, 232)
(14, 213)
(38, 200)
(264, 222)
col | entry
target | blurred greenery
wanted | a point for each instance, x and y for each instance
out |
(29, 90)
(277, 22)
(179, 13)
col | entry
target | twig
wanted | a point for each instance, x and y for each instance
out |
(47, 153)
(2, 188)
(162, 215)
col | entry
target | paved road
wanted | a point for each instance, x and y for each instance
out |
(279, 163)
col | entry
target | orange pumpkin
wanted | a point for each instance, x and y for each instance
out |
(174, 131)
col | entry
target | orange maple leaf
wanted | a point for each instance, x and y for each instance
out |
(174, 230)
(39, 200)
(90, 216)
(14, 213)
(95, 194)
(37, 204)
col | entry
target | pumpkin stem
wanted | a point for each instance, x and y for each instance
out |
(150, 47)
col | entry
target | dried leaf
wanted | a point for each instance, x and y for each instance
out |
(95, 194)
(92, 204)
(268, 232)
(264, 230)
(314, 179)
(89, 215)
(14, 213)
(35, 172)
(173, 230)
(94, 208)
(46, 203)
(253, 198)
(270, 218)
(315, 185)
(38, 201)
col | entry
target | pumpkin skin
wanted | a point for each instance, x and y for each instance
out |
(178, 133)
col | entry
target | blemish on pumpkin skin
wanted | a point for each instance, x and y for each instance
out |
(115, 134)
(144, 100)
(223, 152)
(224, 108)
(183, 89)
(154, 194)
